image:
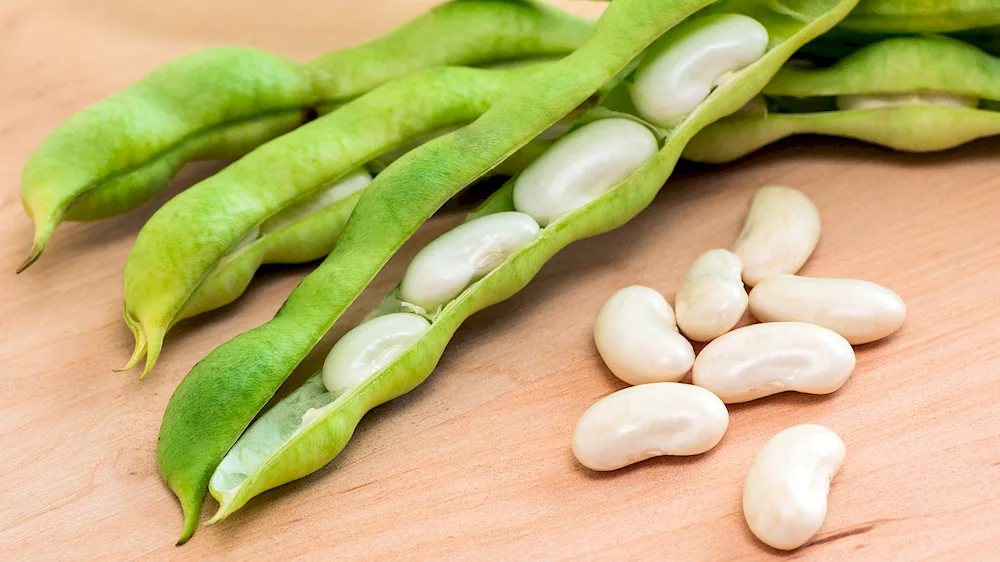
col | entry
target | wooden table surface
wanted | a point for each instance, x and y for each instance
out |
(476, 463)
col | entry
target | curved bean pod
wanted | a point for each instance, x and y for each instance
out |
(920, 16)
(952, 70)
(240, 376)
(190, 241)
(221, 103)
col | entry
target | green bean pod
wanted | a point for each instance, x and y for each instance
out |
(804, 101)
(223, 102)
(973, 21)
(920, 16)
(232, 384)
(194, 254)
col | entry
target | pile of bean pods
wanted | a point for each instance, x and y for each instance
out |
(347, 155)
(803, 344)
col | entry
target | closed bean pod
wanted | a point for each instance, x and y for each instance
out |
(637, 337)
(920, 16)
(681, 69)
(860, 311)
(581, 166)
(651, 420)
(785, 491)
(116, 154)
(711, 299)
(443, 269)
(187, 257)
(779, 233)
(764, 359)
(915, 94)
(216, 401)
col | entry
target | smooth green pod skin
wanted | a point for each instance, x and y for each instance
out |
(184, 244)
(920, 16)
(223, 102)
(396, 204)
(898, 65)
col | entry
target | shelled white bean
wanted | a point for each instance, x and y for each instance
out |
(785, 491)
(860, 311)
(637, 337)
(649, 420)
(779, 234)
(765, 359)
(711, 298)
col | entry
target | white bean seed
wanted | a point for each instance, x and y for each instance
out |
(860, 311)
(369, 347)
(649, 420)
(779, 234)
(877, 101)
(582, 166)
(637, 337)
(691, 60)
(345, 187)
(463, 255)
(711, 298)
(785, 491)
(765, 359)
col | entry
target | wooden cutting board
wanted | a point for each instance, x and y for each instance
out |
(476, 463)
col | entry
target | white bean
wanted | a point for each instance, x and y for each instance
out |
(369, 347)
(650, 420)
(346, 186)
(877, 101)
(711, 298)
(637, 337)
(785, 491)
(690, 61)
(765, 359)
(582, 166)
(779, 234)
(860, 311)
(463, 255)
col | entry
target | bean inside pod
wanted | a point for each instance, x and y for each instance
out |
(916, 94)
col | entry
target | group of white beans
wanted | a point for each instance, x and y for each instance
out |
(803, 344)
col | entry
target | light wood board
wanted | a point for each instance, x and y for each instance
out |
(476, 464)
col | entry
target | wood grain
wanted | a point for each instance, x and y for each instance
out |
(476, 463)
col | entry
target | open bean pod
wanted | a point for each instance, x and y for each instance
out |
(223, 102)
(216, 401)
(287, 201)
(916, 94)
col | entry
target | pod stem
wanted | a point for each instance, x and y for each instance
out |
(140, 344)
(191, 506)
(153, 346)
(43, 233)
